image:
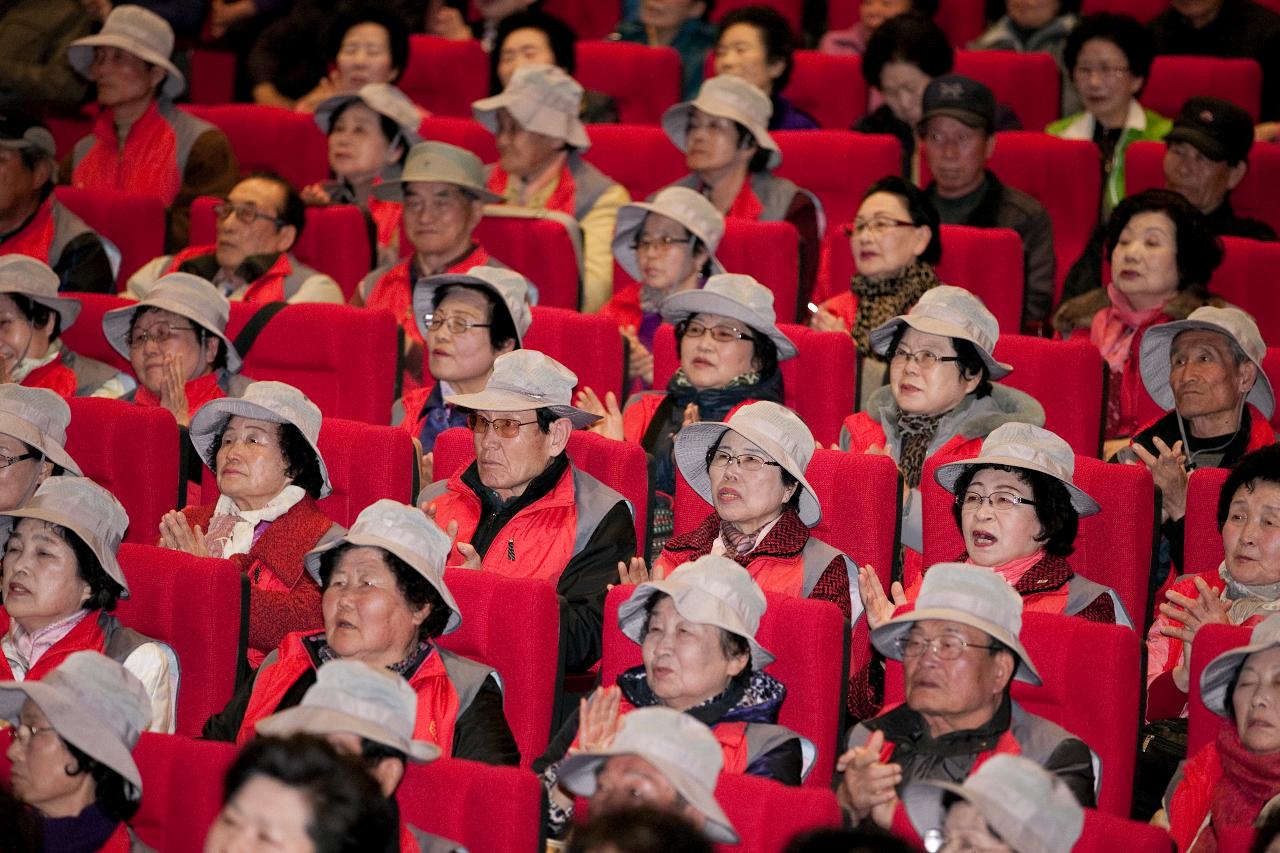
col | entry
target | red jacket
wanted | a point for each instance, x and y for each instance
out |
(146, 163)
(393, 290)
(55, 376)
(268, 287)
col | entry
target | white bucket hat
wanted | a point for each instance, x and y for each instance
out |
(439, 162)
(264, 401)
(527, 379)
(710, 590)
(725, 96)
(352, 697)
(951, 312)
(694, 211)
(1222, 670)
(139, 31)
(739, 297)
(971, 595)
(542, 99)
(35, 280)
(406, 532)
(1030, 448)
(1157, 346)
(511, 288)
(178, 293)
(680, 747)
(39, 418)
(385, 100)
(773, 428)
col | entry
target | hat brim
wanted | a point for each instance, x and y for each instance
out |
(681, 306)
(631, 617)
(105, 556)
(885, 638)
(485, 111)
(80, 57)
(320, 721)
(675, 123)
(1199, 140)
(924, 800)
(1153, 364)
(26, 432)
(968, 118)
(494, 400)
(66, 308)
(947, 475)
(630, 220)
(329, 106)
(424, 293)
(1216, 678)
(393, 190)
(116, 322)
(881, 336)
(210, 418)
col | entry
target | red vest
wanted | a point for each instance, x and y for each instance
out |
(732, 738)
(387, 218)
(624, 307)
(147, 164)
(394, 291)
(268, 287)
(35, 239)
(562, 199)
(199, 391)
(87, 635)
(119, 842)
(55, 376)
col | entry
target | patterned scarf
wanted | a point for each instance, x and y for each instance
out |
(1248, 601)
(735, 541)
(1249, 780)
(403, 668)
(1113, 329)
(917, 433)
(882, 300)
(233, 530)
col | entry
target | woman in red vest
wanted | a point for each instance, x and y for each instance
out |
(33, 437)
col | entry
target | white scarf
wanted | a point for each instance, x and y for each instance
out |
(246, 521)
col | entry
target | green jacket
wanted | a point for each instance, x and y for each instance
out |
(1140, 126)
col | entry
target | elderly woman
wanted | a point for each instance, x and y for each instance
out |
(540, 142)
(731, 157)
(366, 45)
(33, 437)
(681, 25)
(73, 734)
(696, 630)
(263, 449)
(1162, 256)
(61, 583)
(534, 37)
(1036, 26)
(385, 603)
(757, 44)
(1236, 778)
(871, 14)
(1244, 589)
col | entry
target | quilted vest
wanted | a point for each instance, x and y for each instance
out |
(152, 160)
(279, 283)
(102, 634)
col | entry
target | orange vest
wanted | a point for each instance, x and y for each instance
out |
(394, 290)
(55, 376)
(268, 287)
(147, 163)
(119, 842)
(732, 738)
(36, 238)
(784, 575)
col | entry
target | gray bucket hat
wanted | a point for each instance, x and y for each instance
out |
(679, 746)
(385, 100)
(690, 208)
(773, 428)
(22, 132)
(542, 99)
(139, 31)
(971, 595)
(739, 297)
(511, 288)
(1221, 671)
(1157, 347)
(711, 590)
(86, 509)
(39, 418)
(439, 162)
(1028, 807)
(264, 401)
(725, 96)
(38, 282)
(406, 532)
(178, 293)
(528, 379)
(1030, 448)
(94, 704)
(951, 312)
(352, 697)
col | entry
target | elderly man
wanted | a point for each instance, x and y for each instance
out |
(33, 222)
(957, 133)
(960, 652)
(522, 509)
(258, 225)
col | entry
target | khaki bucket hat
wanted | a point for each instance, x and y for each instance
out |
(264, 401)
(971, 595)
(1029, 448)
(1222, 670)
(680, 747)
(351, 697)
(542, 99)
(1157, 347)
(86, 509)
(39, 418)
(694, 211)
(385, 100)
(951, 312)
(739, 297)
(512, 289)
(528, 379)
(773, 428)
(711, 590)
(406, 532)
(35, 280)
(178, 293)
(94, 704)
(139, 31)
(439, 162)
(725, 96)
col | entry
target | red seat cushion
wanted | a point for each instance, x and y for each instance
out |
(480, 806)
(643, 80)
(541, 248)
(1244, 280)
(770, 251)
(134, 223)
(1104, 833)
(1202, 544)
(1211, 641)
(1029, 83)
(445, 76)
(587, 344)
(1066, 377)
(640, 157)
(463, 132)
(271, 139)
(816, 75)
(1174, 78)
(86, 337)
(182, 784)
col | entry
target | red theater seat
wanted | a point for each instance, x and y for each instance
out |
(182, 789)
(1173, 79)
(961, 20)
(587, 344)
(445, 76)
(770, 251)
(1143, 10)
(480, 806)
(640, 157)
(767, 814)
(134, 223)
(1271, 364)
(790, 9)
(271, 139)
(590, 19)
(86, 336)
(543, 245)
(1067, 378)
(816, 76)
(1029, 83)
(1211, 641)
(1104, 833)
(643, 80)
(1245, 280)
(463, 132)
(1202, 546)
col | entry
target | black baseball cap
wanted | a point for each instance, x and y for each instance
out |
(1218, 129)
(20, 131)
(960, 98)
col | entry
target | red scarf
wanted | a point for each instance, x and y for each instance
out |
(147, 162)
(199, 391)
(1113, 328)
(562, 197)
(1248, 782)
(746, 205)
(36, 237)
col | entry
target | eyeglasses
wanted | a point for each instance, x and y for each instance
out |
(246, 212)
(946, 647)
(439, 205)
(746, 461)
(1106, 72)
(723, 334)
(159, 333)
(6, 461)
(504, 427)
(926, 359)
(875, 227)
(456, 325)
(998, 501)
(23, 733)
(646, 244)
(936, 841)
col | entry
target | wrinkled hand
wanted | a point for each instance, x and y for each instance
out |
(878, 606)
(224, 13)
(316, 195)
(448, 23)
(867, 787)
(176, 533)
(636, 571)
(610, 423)
(450, 529)
(691, 415)
(598, 719)
(1193, 613)
(825, 321)
(1169, 471)
(173, 390)
(1268, 131)
(639, 359)
(470, 556)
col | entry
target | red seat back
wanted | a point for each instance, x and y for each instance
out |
(480, 806)
(445, 76)
(213, 76)
(1202, 543)
(789, 9)
(807, 663)
(961, 20)
(1143, 10)
(1104, 833)
(640, 157)
(768, 814)
(182, 785)
(1173, 79)
(771, 251)
(590, 19)
(587, 344)
(1029, 83)
(86, 337)
(1211, 641)
(463, 132)
(1271, 365)
(1066, 377)
(540, 247)
(271, 139)
(643, 80)
(1244, 280)
(816, 75)
(134, 223)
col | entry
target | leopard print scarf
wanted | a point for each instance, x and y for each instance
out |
(917, 432)
(880, 301)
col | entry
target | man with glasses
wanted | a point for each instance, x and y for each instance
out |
(522, 509)
(251, 261)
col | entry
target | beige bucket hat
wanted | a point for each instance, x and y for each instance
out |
(710, 590)
(739, 297)
(680, 747)
(39, 418)
(265, 401)
(178, 293)
(773, 428)
(1030, 448)
(439, 162)
(951, 312)
(86, 509)
(511, 288)
(384, 99)
(1157, 347)
(406, 532)
(542, 99)
(971, 595)
(725, 96)
(38, 282)
(94, 704)
(351, 697)
(139, 31)
(1221, 671)
(690, 208)
(527, 379)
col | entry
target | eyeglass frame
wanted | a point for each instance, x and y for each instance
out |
(147, 337)
(934, 644)
(435, 324)
(936, 840)
(1015, 501)
(918, 358)
(1106, 72)
(31, 732)
(726, 459)
(659, 243)
(876, 227)
(511, 428)
(684, 329)
(6, 461)
(223, 209)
